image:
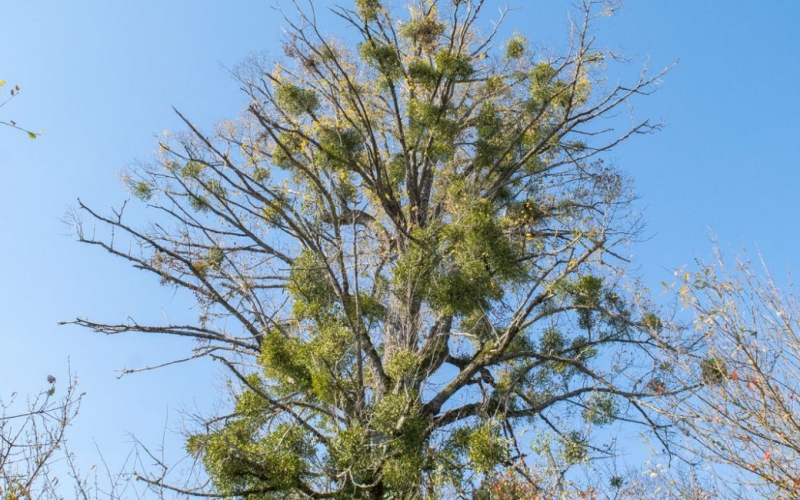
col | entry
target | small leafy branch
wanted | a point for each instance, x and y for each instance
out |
(11, 123)
(33, 438)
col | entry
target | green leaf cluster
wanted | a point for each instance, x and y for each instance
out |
(239, 457)
(215, 188)
(143, 191)
(478, 259)
(574, 447)
(199, 203)
(192, 169)
(586, 293)
(545, 87)
(714, 370)
(340, 147)
(461, 266)
(296, 100)
(352, 450)
(490, 141)
(214, 257)
(286, 150)
(423, 74)
(260, 174)
(455, 66)
(368, 9)
(284, 360)
(482, 444)
(601, 409)
(402, 363)
(383, 57)
(430, 123)
(652, 323)
(516, 47)
(310, 286)
(317, 367)
(423, 31)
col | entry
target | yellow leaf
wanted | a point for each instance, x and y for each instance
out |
(2, 82)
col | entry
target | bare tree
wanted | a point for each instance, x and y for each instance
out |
(745, 414)
(32, 438)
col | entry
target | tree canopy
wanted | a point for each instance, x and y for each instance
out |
(409, 252)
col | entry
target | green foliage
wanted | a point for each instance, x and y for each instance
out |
(215, 188)
(423, 74)
(261, 174)
(271, 212)
(714, 370)
(396, 418)
(516, 47)
(396, 172)
(214, 257)
(388, 412)
(288, 146)
(283, 359)
(198, 202)
(238, 458)
(250, 403)
(402, 363)
(402, 473)
(369, 307)
(587, 293)
(368, 9)
(310, 286)
(525, 215)
(423, 31)
(396, 455)
(383, 57)
(143, 191)
(414, 235)
(324, 356)
(574, 447)
(652, 323)
(489, 122)
(200, 267)
(544, 83)
(340, 148)
(552, 341)
(477, 260)
(351, 450)
(414, 267)
(456, 66)
(601, 409)
(490, 141)
(296, 100)
(431, 123)
(486, 449)
(580, 351)
(192, 169)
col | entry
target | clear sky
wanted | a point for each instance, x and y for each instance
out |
(101, 77)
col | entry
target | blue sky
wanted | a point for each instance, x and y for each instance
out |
(101, 77)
